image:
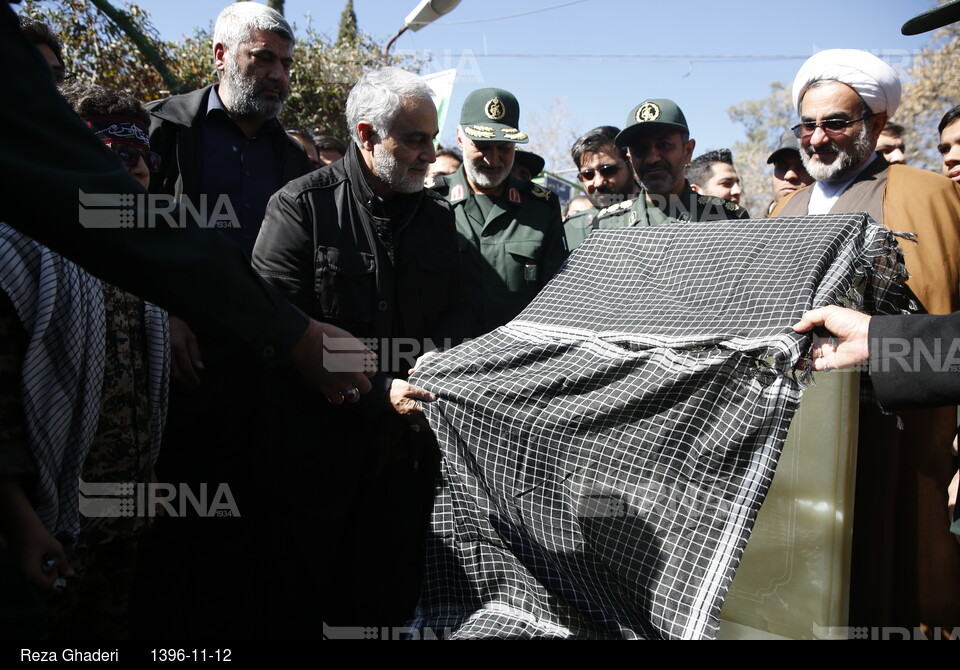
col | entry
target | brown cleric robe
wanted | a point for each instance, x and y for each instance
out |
(905, 565)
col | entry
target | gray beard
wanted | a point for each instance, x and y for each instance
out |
(844, 164)
(243, 96)
(485, 179)
(391, 173)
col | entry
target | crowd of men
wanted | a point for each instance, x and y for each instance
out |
(381, 241)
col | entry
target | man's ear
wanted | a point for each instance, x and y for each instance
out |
(877, 122)
(696, 188)
(368, 136)
(459, 140)
(219, 56)
(691, 145)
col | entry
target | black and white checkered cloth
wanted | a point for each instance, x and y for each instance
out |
(605, 453)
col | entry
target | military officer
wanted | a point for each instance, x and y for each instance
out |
(510, 230)
(658, 142)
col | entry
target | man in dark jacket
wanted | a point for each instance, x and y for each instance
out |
(223, 153)
(225, 139)
(360, 244)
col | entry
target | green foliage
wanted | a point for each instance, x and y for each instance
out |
(101, 53)
(348, 33)
(930, 90)
(325, 72)
(96, 49)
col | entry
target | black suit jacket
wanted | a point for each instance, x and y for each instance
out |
(915, 360)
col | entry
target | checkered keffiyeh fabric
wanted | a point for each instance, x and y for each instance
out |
(605, 453)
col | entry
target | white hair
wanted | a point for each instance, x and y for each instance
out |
(378, 97)
(238, 20)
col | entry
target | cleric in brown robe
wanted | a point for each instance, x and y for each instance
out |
(905, 567)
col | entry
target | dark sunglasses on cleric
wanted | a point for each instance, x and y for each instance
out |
(131, 155)
(829, 126)
(606, 171)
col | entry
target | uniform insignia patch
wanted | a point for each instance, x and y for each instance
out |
(456, 193)
(540, 191)
(634, 217)
(429, 182)
(649, 111)
(626, 204)
(495, 110)
(483, 132)
(530, 272)
(514, 196)
(514, 134)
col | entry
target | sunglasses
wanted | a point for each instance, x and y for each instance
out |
(131, 155)
(830, 126)
(606, 171)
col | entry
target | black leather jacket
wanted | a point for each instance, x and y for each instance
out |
(319, 244)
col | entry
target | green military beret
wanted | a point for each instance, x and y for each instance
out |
(650, 113)
(492, 115)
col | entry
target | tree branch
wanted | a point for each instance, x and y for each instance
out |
(143, 44)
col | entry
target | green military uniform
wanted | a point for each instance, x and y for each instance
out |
(689, 206)
(511, 243)
(578, 227)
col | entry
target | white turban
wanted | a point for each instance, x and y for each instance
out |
(876, 82)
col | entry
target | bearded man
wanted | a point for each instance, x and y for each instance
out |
(360, 244)
(223, 153)
(905, 563)
(224, 139)
(510, 230)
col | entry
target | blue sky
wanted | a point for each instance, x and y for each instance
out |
(602, 57)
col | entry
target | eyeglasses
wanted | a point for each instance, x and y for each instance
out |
(606, 171)
(832, 126)
(131, 155)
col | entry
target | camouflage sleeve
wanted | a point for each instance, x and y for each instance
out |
(15, 456)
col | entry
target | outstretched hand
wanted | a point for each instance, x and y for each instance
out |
(849, 344)
(335, 362)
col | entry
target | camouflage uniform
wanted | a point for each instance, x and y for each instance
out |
(96, 602)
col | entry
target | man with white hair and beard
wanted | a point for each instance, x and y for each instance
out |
(905, 563)
(510, 230)
(362, 245)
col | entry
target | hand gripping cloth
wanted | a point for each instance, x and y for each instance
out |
(605, 453)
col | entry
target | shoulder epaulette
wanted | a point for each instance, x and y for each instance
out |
(538, 191)
(615, 210)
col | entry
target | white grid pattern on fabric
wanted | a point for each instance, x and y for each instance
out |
(605, 453)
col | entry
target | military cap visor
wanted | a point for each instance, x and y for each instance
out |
(533, 162)
(492, 115)
(933, 19)
(788, 142)
(656, 113)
